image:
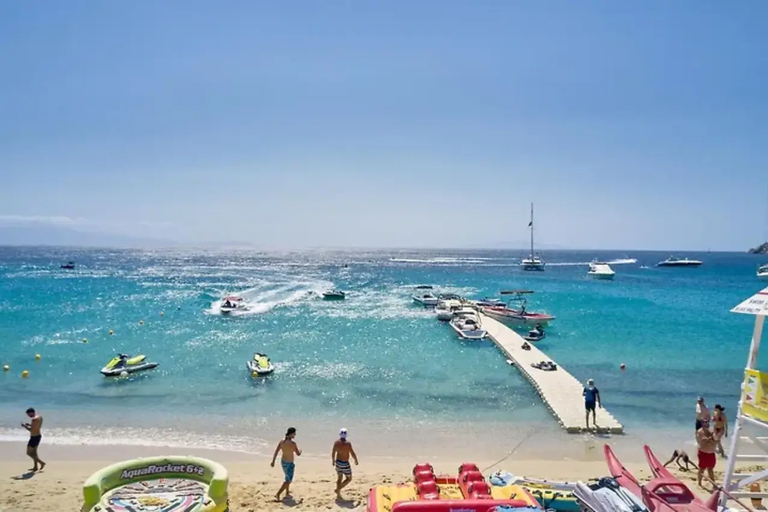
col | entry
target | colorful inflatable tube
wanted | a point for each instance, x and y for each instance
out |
(158, 484)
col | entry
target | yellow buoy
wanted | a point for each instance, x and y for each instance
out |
(25, 374)
(161, 313)
(111, 332)
(38, 356)
(141, 322)
(6, 368)
(85, 340)
(255, 374)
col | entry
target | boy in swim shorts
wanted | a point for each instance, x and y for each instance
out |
(289, 448)
(342, 449)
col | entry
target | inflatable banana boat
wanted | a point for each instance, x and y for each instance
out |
(158, 484)
(467, 492)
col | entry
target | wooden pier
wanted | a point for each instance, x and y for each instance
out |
(560, 391)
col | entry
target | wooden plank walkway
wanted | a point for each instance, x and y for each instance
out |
(560, 391)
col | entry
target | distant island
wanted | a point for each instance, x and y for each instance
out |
(760, 249)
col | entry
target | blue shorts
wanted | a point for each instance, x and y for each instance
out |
(343, 467)
(288, 469)
(34, 441)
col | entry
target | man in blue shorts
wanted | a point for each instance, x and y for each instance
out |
(289, 448)
(342, 449)
(591, 398)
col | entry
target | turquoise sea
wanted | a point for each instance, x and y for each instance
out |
(376, 360)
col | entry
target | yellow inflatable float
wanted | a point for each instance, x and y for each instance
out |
(158, 484)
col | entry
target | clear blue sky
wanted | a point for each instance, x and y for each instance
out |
(354, 123)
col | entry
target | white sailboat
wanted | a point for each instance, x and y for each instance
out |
(532, 262)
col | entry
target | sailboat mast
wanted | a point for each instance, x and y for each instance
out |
(531, 230)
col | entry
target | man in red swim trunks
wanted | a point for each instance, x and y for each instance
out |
(707, 459)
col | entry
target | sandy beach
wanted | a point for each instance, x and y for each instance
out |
(252, 481)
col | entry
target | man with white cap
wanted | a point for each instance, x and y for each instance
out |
(591, 398)
(342, 449)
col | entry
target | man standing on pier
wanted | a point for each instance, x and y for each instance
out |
(591, 398)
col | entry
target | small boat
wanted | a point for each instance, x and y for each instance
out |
(467, 326)
(532, 262)
(334, 295)
(535, 334)
(607, 496)
(126, 364)
(70, 265)
(762, 272)
(260, 365)
(445, 309)
(424, 296)
(231, 304)
(664, 492)
(521, 316)
(600, 270)
(678, 262)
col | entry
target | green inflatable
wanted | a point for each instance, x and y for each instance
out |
(158, 484)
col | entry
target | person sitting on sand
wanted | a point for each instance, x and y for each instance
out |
(342, 449)
(720, 424)
(35, 436)
(680, 455)
(591, 398)
(707, 459)
(289, 448)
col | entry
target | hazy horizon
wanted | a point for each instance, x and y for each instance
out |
(423, 124)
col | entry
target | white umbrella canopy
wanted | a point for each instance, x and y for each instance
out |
(755, 305)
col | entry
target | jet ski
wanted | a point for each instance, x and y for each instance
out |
(535, 334)
(126, 364)
(232, 303)
(260, 364)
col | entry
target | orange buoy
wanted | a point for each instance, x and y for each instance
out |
(755, 487)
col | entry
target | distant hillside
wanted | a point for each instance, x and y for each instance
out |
(62, 236)
(760, 249)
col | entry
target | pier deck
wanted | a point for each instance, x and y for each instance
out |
(560, 391)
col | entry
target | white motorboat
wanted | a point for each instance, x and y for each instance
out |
(467, 326)
(445, 309)
(231, 304)
(600, 270)
(678, 262)
(125, 364)
(260, 365)
(762, 272)
(425, 296)
(532, 262)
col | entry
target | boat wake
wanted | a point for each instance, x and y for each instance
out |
(443, 260)
(269, 295)
(618, 261)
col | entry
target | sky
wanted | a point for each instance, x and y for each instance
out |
(431, 123)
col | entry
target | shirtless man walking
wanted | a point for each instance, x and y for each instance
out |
(289, 448)
(707, 459)
(35, 435)
(342, 449)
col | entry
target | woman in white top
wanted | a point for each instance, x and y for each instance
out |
(702, 414)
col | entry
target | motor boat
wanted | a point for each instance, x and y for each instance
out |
(334, 295)
(260, 365)
(425, 297)
(516, 316)
(70, 265)
(535, 334)
(600, 270)
(231, 304)
(607, 496)
(123, 363)
(762, 272)
(664, 492)
(445, 309)
(467, 326)
(532, 262)
(678, 262)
